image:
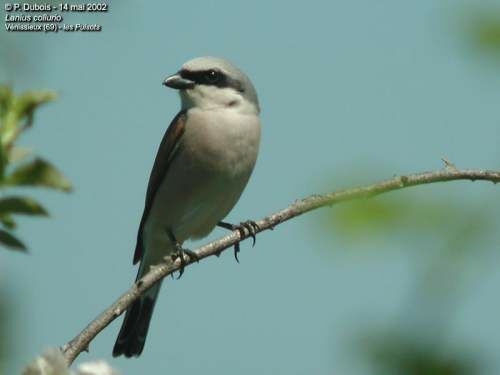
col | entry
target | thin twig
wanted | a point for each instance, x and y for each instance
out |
(81, 342)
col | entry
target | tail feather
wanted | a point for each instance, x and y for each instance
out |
(134, 330)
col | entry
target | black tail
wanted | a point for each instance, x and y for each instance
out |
(132, 336)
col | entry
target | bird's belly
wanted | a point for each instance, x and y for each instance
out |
(203, 183)
(191, 204)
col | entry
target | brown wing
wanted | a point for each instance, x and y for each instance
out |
(164, 156)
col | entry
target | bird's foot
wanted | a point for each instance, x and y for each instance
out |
(251, 226)
(181, 253)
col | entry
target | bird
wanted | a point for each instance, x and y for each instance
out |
(201, 168)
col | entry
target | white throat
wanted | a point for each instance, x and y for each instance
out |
(215, 98)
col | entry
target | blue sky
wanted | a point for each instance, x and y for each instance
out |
(350, 91)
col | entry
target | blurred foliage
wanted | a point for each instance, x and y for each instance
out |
(52, 362)
(480, 29)
(18, 168)
(405, 213)
(483, 30)
(395, 353)
(370, 217)
(448, 237)
(3, 336)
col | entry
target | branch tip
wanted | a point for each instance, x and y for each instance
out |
(449, 165)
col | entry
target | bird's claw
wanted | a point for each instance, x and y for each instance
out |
(181, 254)
(251, 226)
(236, 251)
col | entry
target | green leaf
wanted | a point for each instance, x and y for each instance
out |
(17, 153)
(3, 160)
(38, 172)
(5, 100)
(29, 100)
(7, 221)
(10, 241)
(21, 205)
(22, 107)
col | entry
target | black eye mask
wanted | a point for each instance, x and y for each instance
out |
(211, 77)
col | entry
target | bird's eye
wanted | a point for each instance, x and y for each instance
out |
(212, 76)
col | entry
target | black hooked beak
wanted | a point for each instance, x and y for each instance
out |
(175, 81)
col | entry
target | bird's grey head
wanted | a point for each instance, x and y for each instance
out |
(214, 83)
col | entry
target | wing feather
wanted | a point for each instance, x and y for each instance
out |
(164, 156)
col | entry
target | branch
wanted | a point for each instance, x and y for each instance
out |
(81, 342)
